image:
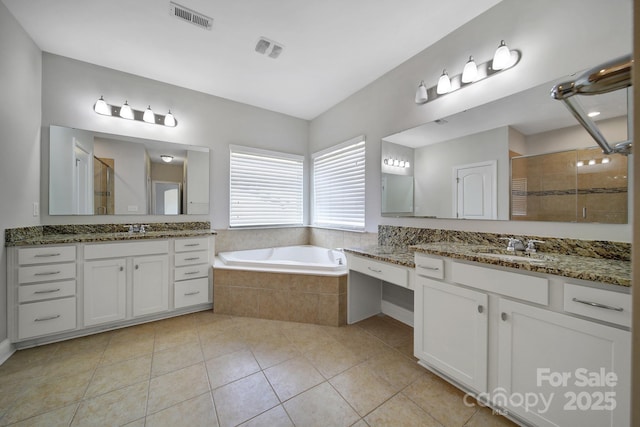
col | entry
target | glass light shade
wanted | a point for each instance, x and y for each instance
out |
(421, 94)
(407, 164)
(169, 120)
(502, 57)
(592, 162)
(444, 84)
(605, 160)
(126, 112)
(102, 107)
(470, 71)
(580, 163)
(148, 115)
(166, 158)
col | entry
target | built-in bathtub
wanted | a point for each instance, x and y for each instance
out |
(295, 283)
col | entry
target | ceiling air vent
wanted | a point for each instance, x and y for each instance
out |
(186, 14)
(269, 47)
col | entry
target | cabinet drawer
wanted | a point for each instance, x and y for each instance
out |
(42, 291)
(46, 317)
(195, 244)
(522, 286)
(608, 306)
(120, 250)
(429, 267)
(191, 292)
(381, 270)
(42, 273)
(192, 272)
(190, 258)
(46, 254)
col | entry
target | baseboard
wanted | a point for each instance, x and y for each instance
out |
(6, 350)
(400, 314)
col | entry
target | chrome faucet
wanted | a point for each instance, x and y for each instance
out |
(514, 244)
(531, 246)
(135, 228)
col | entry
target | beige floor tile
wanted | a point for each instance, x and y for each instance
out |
(231, 367)
(73, 364)
(274, 349)
(175, 338)
(321, 406)
(244, 399)
(357, 340)
(137, 423)
(114, 408)
(195, 412)
(59, 417)
(118, 350)
(390, 331)
(26, 373)
(484, 417)
(253, 330)
(133, 333)
(360, 423)
(209, 319)
(395, 368)
(276, 417)
(90, 343)
(46, 395)
(222, 343)
(176, 358)
(177, 386)
(333, 359)
(293, 377)
(362, 389)
(28, 358)
(307, 337)
(9, 393)
(400, 412)
(443, 401)
(174, 324)
(120, 374)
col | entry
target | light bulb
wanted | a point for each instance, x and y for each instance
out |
(502, 57)
(606, 160)
(126, 112)
(421, 94)
(407, 164)
(444, 84)
(580, 163)
(592, 162)
(102, 107)
(169, 120)
(148, 115)
(470, 71)
(166, 158)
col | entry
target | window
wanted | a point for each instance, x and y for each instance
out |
(338, 186)
(265, 188)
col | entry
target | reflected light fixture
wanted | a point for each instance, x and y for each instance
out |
(502, 57)
(594, 114)
(444, 84)
(605, 160)
(166, 158)
(397, 163)
(580, 163)
(148, 115)
(470, 71)
(101, 107)
(421, 94)
(592, 162)
(126, 112)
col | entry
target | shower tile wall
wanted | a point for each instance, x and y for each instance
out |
(236, 240)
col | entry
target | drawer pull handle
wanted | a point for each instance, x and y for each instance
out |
(43, 319)
(426, 267)
(46, 255)
(504, 316)
(597, 304)
(193, 258)
(189, 273)
(47, 273)
(48, 291)
(192, 244)
(191, 293)
(480, 309)
(374, 270)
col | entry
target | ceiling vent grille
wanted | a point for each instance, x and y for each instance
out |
(269, 47)
(186, 14)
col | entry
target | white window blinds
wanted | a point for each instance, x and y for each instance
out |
(265, 188)
(338, 186)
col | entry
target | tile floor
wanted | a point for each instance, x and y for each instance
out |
(206, 369)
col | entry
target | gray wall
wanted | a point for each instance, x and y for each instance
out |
(555, 38)
(70, 88)
(20, 86)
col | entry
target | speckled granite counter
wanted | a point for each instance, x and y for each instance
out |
(608, 271)
(59, 234)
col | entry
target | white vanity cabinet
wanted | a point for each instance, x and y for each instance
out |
(548, 350)
(191, 274)
(104, 291)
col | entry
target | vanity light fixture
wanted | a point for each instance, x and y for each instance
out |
(126, 112)
(397, 163)
(503, 59)
(166, 158)
(580, 164)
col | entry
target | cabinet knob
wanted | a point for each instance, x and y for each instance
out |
(121, 268)
(480, 309)
(137, 266)
(503, 316)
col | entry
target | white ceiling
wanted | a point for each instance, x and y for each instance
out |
(333, 48)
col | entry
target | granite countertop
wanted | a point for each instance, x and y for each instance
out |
(608, 271)
(52, 239)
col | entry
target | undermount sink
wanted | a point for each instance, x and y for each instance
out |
(512, 257)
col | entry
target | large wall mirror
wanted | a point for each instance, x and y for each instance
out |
(92, 173)
(523, 157)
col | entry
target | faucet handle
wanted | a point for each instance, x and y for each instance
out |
(531, 245)
(129, 227)
(143, 228)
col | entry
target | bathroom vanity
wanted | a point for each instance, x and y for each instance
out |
(66, 285)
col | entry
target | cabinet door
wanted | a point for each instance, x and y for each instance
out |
(150, 284)
(104, 291)
(566, 361)
(451, 331)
